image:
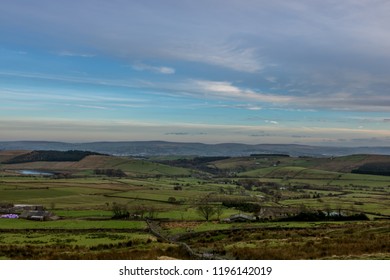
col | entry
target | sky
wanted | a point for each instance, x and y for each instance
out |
(210, 71)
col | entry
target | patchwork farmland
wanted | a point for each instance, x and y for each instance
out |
(147, 208)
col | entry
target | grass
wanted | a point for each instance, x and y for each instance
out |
(11, 224)
(83, 213)
(32, 196)
(79, 239)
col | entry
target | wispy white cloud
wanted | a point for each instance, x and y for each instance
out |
(343, 101)
(252, 107)
(92, 107)
(155, 69)
(75, 54)
(226, 90)
(228, 55)
(271, 79)
(93, 80)
(339, 101)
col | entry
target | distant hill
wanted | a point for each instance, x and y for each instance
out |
(49, 156)
(153, 148)
(264, 165)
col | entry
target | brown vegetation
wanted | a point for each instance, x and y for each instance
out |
(342, 241)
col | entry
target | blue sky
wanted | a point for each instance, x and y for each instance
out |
(306, 72)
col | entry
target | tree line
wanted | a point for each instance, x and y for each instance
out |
(374, 168)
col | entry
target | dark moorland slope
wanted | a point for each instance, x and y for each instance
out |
(49, 156)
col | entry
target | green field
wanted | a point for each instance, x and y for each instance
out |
(171, 195)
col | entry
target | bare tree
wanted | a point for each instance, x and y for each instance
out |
(120, 211)
(206, 211)
(205, 208)
(152, 212)
(219, 210)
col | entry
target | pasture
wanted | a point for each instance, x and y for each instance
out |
(170, 195)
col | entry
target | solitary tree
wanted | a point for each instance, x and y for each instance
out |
(205, 208)
(120, 211)
(206, 211)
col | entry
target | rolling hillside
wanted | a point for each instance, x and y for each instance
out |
(259, 165)
(344, 164)
(130, 166)
(7, 155)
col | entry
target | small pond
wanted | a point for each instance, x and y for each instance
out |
(35, 172)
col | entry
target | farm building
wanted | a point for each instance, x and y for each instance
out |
(237, 218)
(38, 215)
(270, 213)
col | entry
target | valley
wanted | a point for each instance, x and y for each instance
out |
(264, 206)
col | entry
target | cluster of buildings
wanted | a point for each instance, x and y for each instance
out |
(26, 211)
